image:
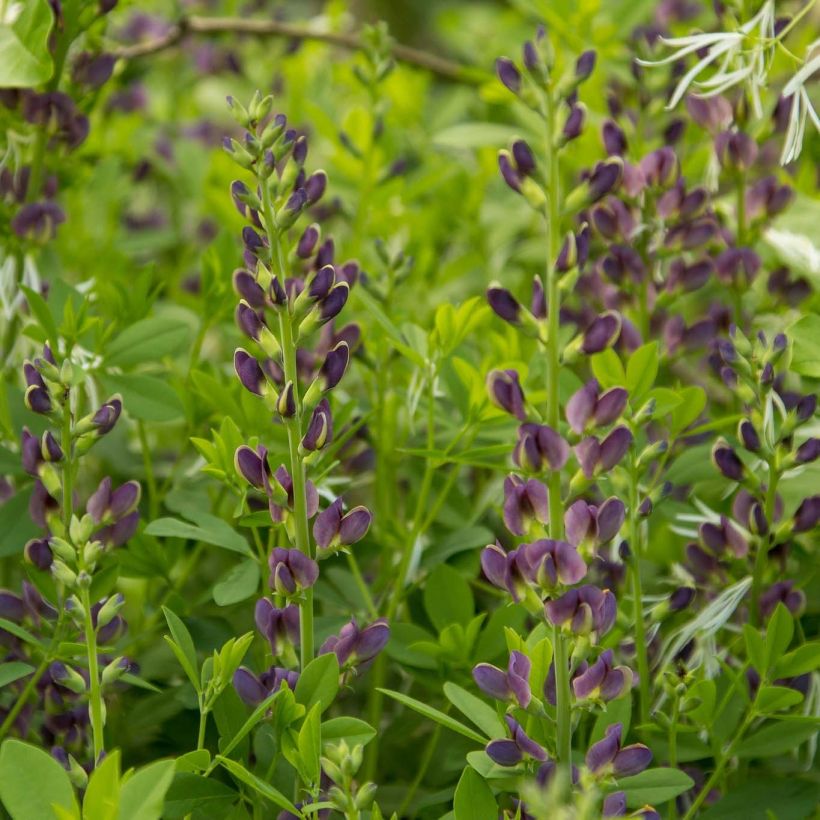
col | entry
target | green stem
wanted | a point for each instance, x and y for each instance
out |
(294, 427)
(361, 584)
(637, 597)
(203, 725)
(761, 559)
(95, 690)
(721, 765)
(563, 694)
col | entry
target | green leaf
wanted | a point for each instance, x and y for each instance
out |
(19, 632)
(147, 398)
(354, 731)
(12, 671)
(774, 698)
(641, 370)
(474, 799)
(466, 135)
(804, 659)
(310, 744)
(666, 401)
(265, 789)
(143, 794)
(147, 341)
(210, 530)
(778, 738)
(319, 682)
(16, 527)
(608, 369)
(32, 782)
(693, 400)
(755, 648)
(779, 633)
(805, 336)
(196, 761)
(102, 797)
(191, 793)
(239, 584)
(184, 643)
(26, 60)
(475, 710)
(787, 798)
(436, 715)
(39, 307)
(255, 717)
(654, 786)
(394, 335)
(448, 598)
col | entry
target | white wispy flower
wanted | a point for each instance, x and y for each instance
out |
(744, 57)
(802, 108)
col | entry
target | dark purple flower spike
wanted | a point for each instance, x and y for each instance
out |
(539, 447)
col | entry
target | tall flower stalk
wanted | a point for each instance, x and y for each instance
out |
(542, 447)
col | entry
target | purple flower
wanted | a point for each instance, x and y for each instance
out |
(588, 406)
(607, 757)
(540, 447)
(508, 74)
(511, 751)
(253, 690)
(525, 501)
(602, 680)
(106, 505)
(38, 552)
(583, 610)
(319, 431)
(504, 304)
(279, 625)
(727, 461)
(589, 524)
(785, 593)
(807, 515)
(602, 333)
(358, 647)
(545, 563)
(512, 685)
(291, 571)
(614, 139)
(249, 372)
(333, 529)
(600, 456)
(584, 65)
(38, 221)
(506, 393)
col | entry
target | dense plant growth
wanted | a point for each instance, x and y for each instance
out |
(391, 434)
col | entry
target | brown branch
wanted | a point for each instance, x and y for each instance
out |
(236, 25)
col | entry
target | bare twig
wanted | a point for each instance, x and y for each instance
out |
(275, 28)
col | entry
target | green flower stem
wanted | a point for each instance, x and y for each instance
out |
(95, 689)
(761, 559)
(294, 427)
(556, 513)
(720, 766)
(203, 725)
(637, 596)
(148, 466)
